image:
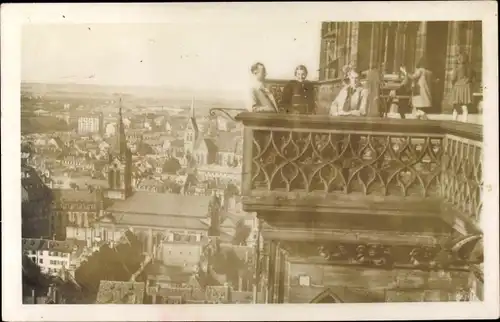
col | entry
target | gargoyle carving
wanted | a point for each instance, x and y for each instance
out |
(338, 253)
(374, 254)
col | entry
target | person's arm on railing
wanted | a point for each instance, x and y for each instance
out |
(364, 102)
(253, 104)
(336, 107)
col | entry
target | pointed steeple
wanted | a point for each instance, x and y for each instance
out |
(121, 139)
(192, 108)
(192, 121)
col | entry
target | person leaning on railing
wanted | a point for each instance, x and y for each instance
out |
(298, 94)
(352, 99)
(260, 98)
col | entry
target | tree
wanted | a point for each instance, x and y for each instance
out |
(110, 263)
(171, 166)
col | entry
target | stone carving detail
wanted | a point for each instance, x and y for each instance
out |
(348, 162)
(428, 258)
(463, 175)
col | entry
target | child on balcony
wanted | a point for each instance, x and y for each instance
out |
(421, 90)
(461, 94)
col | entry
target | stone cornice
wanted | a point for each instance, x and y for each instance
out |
(346, 204)
(358, 236)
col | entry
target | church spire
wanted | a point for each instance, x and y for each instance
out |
(121, 138)
(192, 108)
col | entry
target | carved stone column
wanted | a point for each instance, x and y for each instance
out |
(399, 44)
(271, 269)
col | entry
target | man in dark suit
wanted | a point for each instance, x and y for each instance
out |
(261, 99)
(298, 94)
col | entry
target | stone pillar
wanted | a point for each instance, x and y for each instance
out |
(271, 269)
(257, 273)
(282, 277)
(399, 46)
(354, 36)
(421, 39)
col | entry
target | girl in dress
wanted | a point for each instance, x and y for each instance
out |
(421, 90)
(461, 91)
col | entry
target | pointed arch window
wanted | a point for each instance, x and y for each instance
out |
(327, 296)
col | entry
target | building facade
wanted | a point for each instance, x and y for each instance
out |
(367, 45)
(91, 123)
(74, 211)
(53, 256)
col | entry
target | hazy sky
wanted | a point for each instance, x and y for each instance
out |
(201, 56)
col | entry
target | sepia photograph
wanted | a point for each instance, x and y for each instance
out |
(208, 162)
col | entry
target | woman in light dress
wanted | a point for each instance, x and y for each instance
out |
(461, 94)
(421, 90)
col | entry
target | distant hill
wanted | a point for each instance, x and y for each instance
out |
(134, 96)
(42, 124)
(136, 91)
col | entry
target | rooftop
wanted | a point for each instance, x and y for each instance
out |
(159, 220)
(115, 292)
(67, 246)
(220, 168)
(70, 195)
(142, 202)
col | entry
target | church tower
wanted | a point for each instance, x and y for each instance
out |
(192, 132)
(120, 164)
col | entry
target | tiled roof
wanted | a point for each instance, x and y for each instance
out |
(114, 292)
(211, 146)
(70, 195)
(227, 141)
(138, 219)
(178, 143)
(67, 246)
(142, 202)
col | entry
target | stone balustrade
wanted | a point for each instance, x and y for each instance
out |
(322, 161)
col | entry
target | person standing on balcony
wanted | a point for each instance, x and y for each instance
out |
(261, 99)
(352, 100)
(298, 94)
(461, 93)
(421, 90)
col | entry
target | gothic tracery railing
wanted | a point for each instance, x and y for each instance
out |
(346, 161)
(300, 155)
